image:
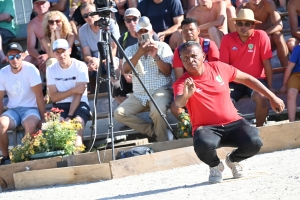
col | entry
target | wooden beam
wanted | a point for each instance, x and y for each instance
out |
(7, 171)
(66, 175)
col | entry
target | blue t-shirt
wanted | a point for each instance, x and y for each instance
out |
(161, 15)
(295, 58)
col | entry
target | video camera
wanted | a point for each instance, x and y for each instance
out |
(103, 9)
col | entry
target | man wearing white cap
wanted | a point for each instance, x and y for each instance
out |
(152, 60)
(67, 84)
(249, 50)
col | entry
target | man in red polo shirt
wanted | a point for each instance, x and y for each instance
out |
(204, 90)
(190, 32)
(249, 50)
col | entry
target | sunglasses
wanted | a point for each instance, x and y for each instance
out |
(17, 56)
(86, 15)
(51, 22)
(132, 19)
(246, 24)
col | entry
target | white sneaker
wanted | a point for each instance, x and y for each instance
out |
(170, 135)
(215, 175)
(236, 168)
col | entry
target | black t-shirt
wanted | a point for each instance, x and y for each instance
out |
(77, 17)
(130, 41)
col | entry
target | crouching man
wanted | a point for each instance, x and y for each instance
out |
(67, 84)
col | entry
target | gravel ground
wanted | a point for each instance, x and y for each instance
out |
(270, 176)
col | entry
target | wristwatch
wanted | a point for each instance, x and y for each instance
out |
(71, 116)
(156, 58)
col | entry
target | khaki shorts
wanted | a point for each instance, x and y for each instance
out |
(294, 81)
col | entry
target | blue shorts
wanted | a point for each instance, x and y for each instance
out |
(19, 114)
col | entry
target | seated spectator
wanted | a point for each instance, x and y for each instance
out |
(167, 16)
(249, 50)
(212, 19)
(152, 60)
(56, 26)
(124, 86)
(35, 32)
(60, 5)
(190, 32)
(265, 11)
(67, 84)
(89, 35)
(293, 10)
(7, 27)
(21, 81)
(291, 83)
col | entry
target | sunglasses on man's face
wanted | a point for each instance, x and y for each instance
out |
(51, 22)
(17, 56)
(86, 15)
(246, 24)
(127, 20)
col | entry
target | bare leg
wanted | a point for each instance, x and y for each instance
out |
(282, 50)
(5, 124)
(80, 132)
(30, 124)
(215, 35)
(262, 109)
(230, 11)
(291, 43)
(176, 39)
(2, 56)
(291, 103)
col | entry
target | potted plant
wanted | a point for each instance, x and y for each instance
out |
(57, 137)
(184, 125)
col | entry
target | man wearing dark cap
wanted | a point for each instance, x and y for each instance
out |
(21, 82)
(66, 81)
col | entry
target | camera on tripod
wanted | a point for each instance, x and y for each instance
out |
(104, 9)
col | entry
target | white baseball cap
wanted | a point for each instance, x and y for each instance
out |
(144, 23)
(60, 44)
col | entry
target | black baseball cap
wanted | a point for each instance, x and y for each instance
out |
(38, 0)
(14, 46)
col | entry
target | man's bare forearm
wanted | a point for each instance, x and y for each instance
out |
(58, 96)
(74, 104)
(41, 105)
(5, 17)
(134, 60)
(181, 100)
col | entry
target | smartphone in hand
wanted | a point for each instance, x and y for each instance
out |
(145, 37)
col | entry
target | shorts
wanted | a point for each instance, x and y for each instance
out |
(6, 35)
(294, 81)
(240, 90)
(83, 110)
(19, 114)
(121, 88)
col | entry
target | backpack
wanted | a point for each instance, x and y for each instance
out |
(136, 151)
(124, 43)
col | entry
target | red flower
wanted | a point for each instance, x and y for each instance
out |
(56, 110)
(37, 133)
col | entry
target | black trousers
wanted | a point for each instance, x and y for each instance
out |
(238, 134)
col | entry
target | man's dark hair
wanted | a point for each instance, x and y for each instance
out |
(85, 5)
(189, 21)
(188, 44)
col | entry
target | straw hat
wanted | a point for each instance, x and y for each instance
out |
(246, 15)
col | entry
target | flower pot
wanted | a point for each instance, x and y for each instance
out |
(47, 154)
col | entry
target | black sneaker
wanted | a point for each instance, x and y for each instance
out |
(5, 161)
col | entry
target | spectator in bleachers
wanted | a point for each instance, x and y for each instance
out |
(7, 27)
(212, 19)
(291, 83)
(165, 16)
(190, 32)
(89, 35)
(67, 84)
(265, 11)
(21, 81)
(56, 26)
(124, 86)
(60, 5)
(152, 60)
(294, 12)
(249, 50)
(122, 5)
(35, 32)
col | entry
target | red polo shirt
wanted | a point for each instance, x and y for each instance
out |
(212, 55)
(211, 103)
(247, 56)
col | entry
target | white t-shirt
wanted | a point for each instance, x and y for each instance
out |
(66, 79)
(18, 86)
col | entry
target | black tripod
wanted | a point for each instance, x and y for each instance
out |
(104, 46)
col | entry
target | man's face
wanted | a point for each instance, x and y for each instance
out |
(204, 2)
(89, 19)
(190, 32)
(14, 58)
(192, 58)
(63, 56)
(255, 2)
(130, 22)
(244, 28)
(41, 7)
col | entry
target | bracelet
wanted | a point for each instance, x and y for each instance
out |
(71, 116)
(156, 58)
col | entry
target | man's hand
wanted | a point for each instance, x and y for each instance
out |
(80, 88)
(277, 104)
(41, 122)
(42, 62)
(128, 78)
(152, 49)
(161, 36)
(283, 89)
(189, 87)
(143, 47)
(272, 90)
(93, 64)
